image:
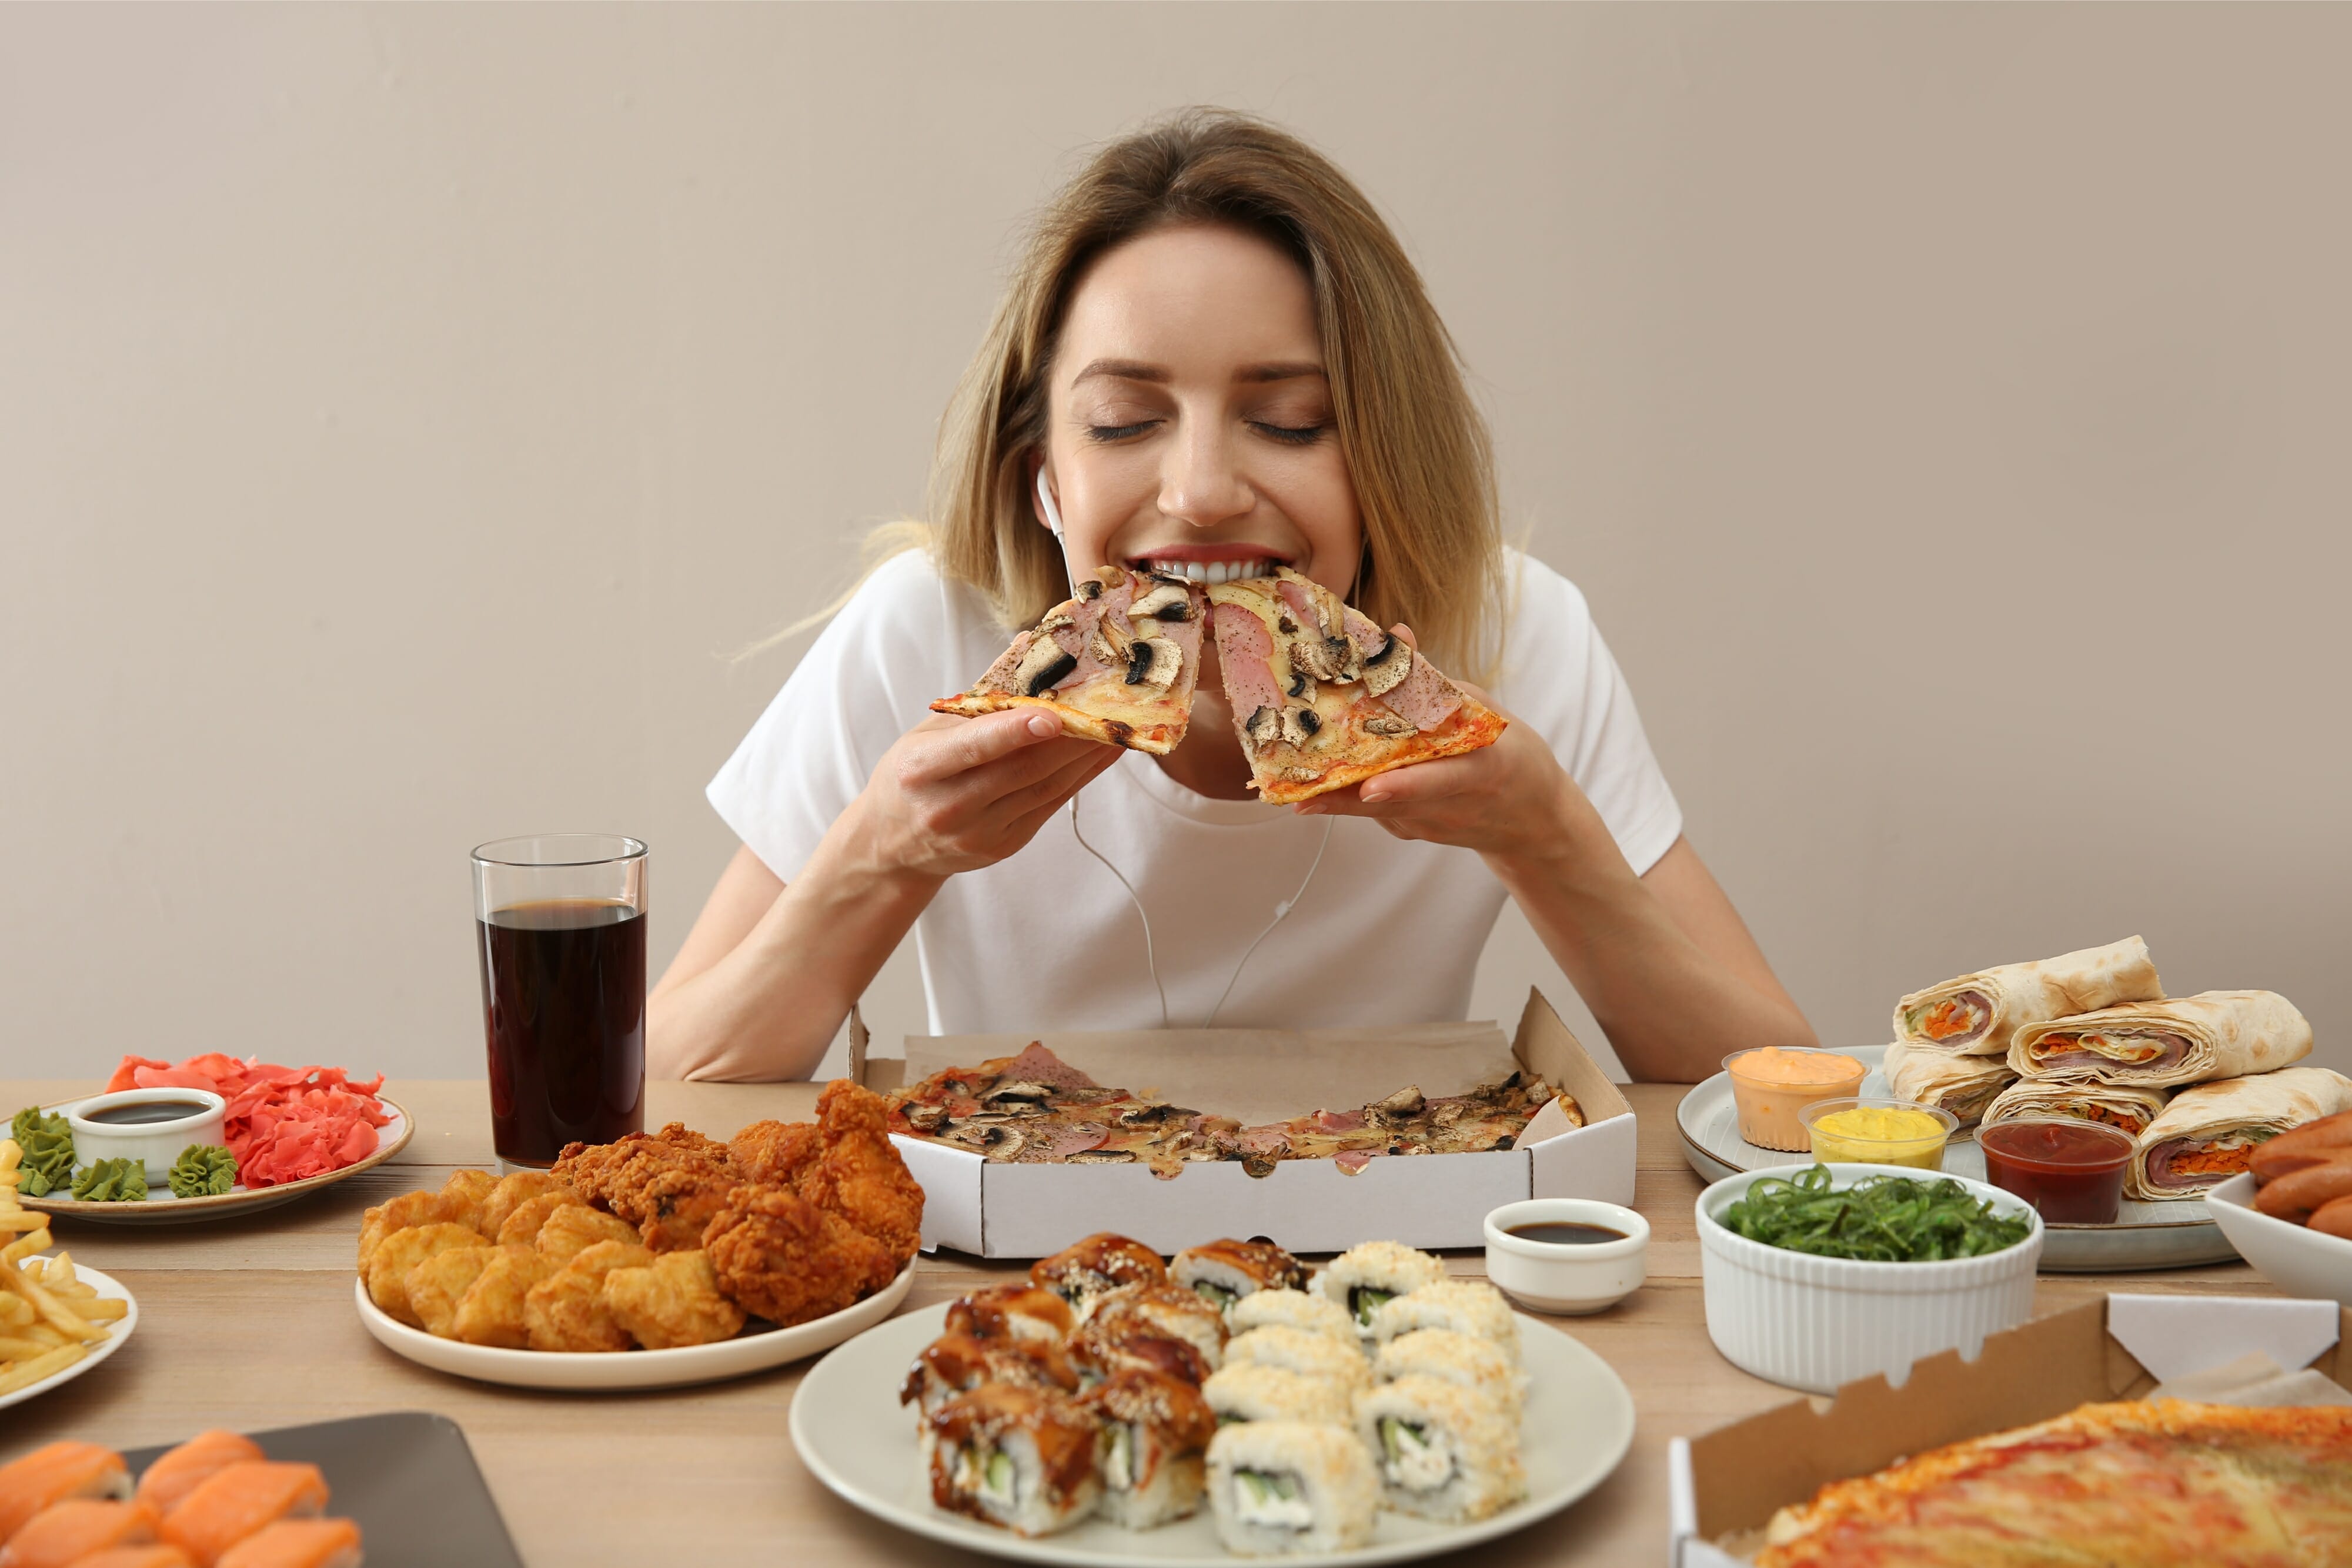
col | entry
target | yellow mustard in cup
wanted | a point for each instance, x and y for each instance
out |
(1859, 1131)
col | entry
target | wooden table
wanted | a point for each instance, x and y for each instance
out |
(249, 1323)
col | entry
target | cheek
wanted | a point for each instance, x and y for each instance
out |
(1319, 498)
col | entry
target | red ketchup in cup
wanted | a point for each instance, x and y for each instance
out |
(2073, 1172)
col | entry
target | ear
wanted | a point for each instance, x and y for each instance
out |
(1041, 471)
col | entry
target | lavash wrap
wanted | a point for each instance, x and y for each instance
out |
(2069, 1097)
(2229, 1034)
(2042, 989)
(1964, 1085)
(2266, 1104)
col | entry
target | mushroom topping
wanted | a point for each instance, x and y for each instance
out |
(1154, 662)
(1325, 658)
(996, 1143)
(1043, 666)
(1103, 1157)
(1090, 589)
(1263, 728)
(1384, 670)
(1018, 1089)
(1140, 1116)
(1405, 1102)
(1165, 602)
(1383, 724)
(927, 1118)
(1299, 725)
(1109, 644)
(1302, 687)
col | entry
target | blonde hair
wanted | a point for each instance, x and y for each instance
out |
(1416, 447)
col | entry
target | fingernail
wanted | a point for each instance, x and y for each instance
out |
(1370, 799)
(1042, 727)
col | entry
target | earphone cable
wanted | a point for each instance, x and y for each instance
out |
(1149, 956)
(1280, 910)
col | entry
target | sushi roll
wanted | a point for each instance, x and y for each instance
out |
(1245, 1391)
(158, 1556)
(1223, 1272)
(52, 1475)
(1084, 1272)
(1282, 1487)
(1364, 1279)
(1167, 1310)
(237, 1499)
(1021, 1458)
(297, 1544)
(958, 1364)
(1289, 1309)
(68, 1532)
(1304, 1351)
(1102, 1349)
(175, 1474)
(1476, 1364)
(1443, 1452)
(1151, 1448)
(1466, 1306)
(1028, 1312)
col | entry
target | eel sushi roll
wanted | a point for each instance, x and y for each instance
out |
(1152, 1452)
(958, 1364)
(1363, 1280)
(174, 1474)
(1085, 1272)
(66, 1532)
(55, 1474)
(1020, 1458)
(1468, 1363)
(1223, 1272)
(1167, 1310)
(1465, 1306)
(1028, 1312)
(1243, 1392)
(1306, 1352)
(1102, 1349)
(1282, 1486)
(297, 1544)
(1286, 1308)
(238, 1500)
(1443, 1452)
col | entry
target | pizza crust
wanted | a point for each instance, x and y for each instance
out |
(1157, 740)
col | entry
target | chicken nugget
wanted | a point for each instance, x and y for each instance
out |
(566, 1311)
(674, 1302)
(402, 1213)
(401, 1252)
(470, 1192)
(436, 1285)
(521, 1227)
(576, 1226)
(512, 1193)
(492, 1311)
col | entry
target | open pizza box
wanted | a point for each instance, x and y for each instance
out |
(997, 1209)
(1724, 1488)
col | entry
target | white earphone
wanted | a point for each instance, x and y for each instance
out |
(1054, 521)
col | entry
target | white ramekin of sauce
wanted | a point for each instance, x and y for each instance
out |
(149, 1125)
(1568, 1255)
(1773, 1084)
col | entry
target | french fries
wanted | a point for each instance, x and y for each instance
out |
(50, 1316)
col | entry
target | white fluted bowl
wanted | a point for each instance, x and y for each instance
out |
(1816, 1323)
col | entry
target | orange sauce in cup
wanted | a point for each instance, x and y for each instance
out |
(1773, 1085)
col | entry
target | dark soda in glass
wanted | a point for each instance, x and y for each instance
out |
(563, 989)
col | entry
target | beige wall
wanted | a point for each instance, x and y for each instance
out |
(402, 410)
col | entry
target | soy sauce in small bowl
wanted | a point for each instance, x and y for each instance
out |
(1564, 1233)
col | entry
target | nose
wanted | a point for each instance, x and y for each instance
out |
(1200, 482)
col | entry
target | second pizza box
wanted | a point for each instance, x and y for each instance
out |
(998, 1209)
(1724, 1488)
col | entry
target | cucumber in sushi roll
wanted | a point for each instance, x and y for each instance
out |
(1021, 1458)
(1282, 1486)
(1364, 1279)
(1444, 1453)
(1149, 1455)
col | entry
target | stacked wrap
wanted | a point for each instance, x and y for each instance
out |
(1997, 1002)
(2194, 1040)
(1964, 1085)
(2222, 1118)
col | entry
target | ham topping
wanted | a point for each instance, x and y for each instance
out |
(1301, 604)
(1424, 698)
(1369, 639)
(1244, 649)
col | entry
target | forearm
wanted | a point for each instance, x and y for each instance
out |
(769, 1008)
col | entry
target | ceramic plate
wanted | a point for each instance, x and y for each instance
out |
(108, 1290)
(165, 1209)
(2146, 1235)
(745, 1354)
(2297, 1260)
(855, 1437)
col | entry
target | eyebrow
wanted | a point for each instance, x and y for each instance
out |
(1137, 371)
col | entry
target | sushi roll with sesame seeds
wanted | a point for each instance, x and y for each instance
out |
(1167, 1311)
(1151, 1447)
(1224, 1273)
(1465, 1362)
(1020, 1458)
(1465, 1306)
(1363, 1280)
(1444, 1453)
(1304, 1351)
(1245, 1391)
(1292, 1310)
(1279, 1487)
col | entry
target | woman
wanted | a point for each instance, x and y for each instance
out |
(1214, 355)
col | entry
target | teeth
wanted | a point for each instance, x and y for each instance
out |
(1213, 572)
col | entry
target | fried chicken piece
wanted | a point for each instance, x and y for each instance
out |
(571, 1229)
(512, 1193)
(492, 1311)
(566, 1311)
(775, 1154)
(860, 1176)
(673, 1301)
(666, 1184)
(778, 1255)
(469, 1193)
(521, 1227)
(403, 1250)
(406, 1212)
(436, 1285)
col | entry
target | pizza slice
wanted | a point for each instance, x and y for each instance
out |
(1115, 663)
(1323, 698)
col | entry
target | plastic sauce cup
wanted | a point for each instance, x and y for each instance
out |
(1772, 1104)
(1924, 1150)
(2071, 1171)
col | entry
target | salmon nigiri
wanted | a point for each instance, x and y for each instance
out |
(175, 1474)
(297, 1544)
(65, 1533)
(54, 1474)
(237, 1499)
(137, 1557)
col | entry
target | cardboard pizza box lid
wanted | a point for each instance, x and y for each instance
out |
(1000, 1210)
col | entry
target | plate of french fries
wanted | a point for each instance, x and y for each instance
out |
(58, 1318)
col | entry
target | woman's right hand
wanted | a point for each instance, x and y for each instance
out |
(955, 794)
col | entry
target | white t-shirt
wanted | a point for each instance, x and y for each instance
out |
(1387, 931)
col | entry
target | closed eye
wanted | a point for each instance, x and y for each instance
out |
(1294, 434)
(1119, 432)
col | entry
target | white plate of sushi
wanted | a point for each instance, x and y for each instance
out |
(857, 1439)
